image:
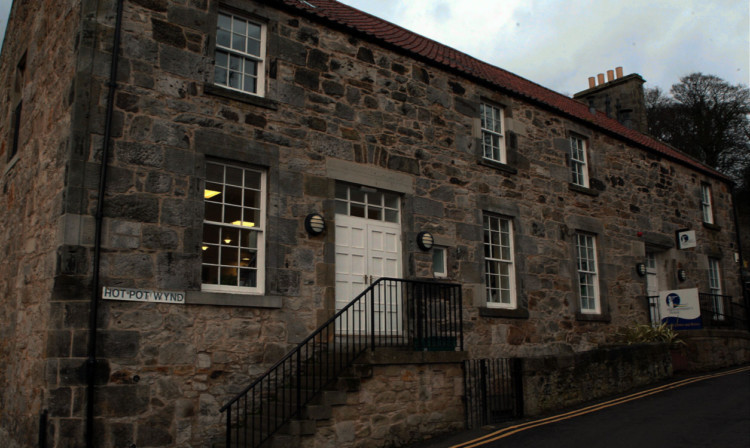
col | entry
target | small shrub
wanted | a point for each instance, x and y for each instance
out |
(640, 333)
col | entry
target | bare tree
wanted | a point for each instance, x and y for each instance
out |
(707, 118)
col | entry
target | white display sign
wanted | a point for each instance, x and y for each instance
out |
(681, 309)
(143, 295)
(686, 239)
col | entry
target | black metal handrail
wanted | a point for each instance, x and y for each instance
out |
(390, 313)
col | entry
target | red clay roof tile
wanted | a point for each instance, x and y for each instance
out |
(393, 35)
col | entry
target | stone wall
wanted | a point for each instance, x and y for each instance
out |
(554, 383)
(711, 349)
(407, 398)
(38, 65)
(165, 370)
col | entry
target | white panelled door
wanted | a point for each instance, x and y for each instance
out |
(367, 250)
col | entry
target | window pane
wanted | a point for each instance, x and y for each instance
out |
(210, 234)
(229, 256)
(229, 236)
(233, 195)
(238, 42)
(234, 176)
(375, 213)
(253, 47)
(250, 84)
(248, 277)
(225, 22)
(391, 216)
(239, 26)
(438, 260)
(341, 191)
(235, 80)
(235, 62)
(229, 276)
(210, 275)
(357, 195)
(253, 30)
(220, 75)
(211, 254)
(223, 38)
(342, 208)
(252, 199)
(250, 239)
(213, 212)
(358, 210)
(222, 59)
(252, 180)
(391, 200)
(232, 214)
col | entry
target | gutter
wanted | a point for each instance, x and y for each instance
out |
(91, 362)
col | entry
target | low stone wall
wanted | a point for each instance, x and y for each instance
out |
(410, 397)
(714, 349)
(555, 382)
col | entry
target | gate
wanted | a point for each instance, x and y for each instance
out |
(493, 391)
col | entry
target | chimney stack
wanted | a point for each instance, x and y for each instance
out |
(592, 82)
(620, 97)
(600, 78)
(610, 75)
(618, 72)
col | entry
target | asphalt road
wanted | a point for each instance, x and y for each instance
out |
(707, 410)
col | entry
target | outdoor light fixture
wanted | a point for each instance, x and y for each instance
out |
(640, 268)
(681, 275)
(315, 224)
(425, 241)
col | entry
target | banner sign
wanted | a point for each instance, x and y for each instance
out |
(686, 239)
(143, 295)
(681, 309)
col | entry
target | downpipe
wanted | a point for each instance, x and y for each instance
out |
(91, 362)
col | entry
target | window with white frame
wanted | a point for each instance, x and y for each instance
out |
(578, 167)
(439, 262)
(706, 208)
(493, 141)
(367, 202)
(240, 54)
(233, 229)
(588, 284)
(714, 288)
(499, 270)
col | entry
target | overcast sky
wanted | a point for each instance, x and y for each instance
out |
(560, 43)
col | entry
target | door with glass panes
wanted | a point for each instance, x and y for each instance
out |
(368, 247)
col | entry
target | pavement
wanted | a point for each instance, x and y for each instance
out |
(698, 410)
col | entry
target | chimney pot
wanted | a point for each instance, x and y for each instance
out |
(618, 71)
(592, 82)
(600, 78)
(610, 75)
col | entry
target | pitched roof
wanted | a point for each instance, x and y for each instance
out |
(420, 47)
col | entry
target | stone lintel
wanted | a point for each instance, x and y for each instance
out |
(369, 175)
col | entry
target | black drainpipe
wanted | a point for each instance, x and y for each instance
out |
(91, 361)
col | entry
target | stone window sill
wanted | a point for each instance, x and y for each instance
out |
(584, 190)
(229, 299)
(593, 317)
(498, 166)
(710, 226)
(504, 312)
(213, 89)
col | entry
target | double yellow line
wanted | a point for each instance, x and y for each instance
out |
(509, 431)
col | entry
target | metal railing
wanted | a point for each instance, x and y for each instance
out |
(717, 311)
(493, 391)
(389, 313)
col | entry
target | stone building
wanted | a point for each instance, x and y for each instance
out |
(140, 294)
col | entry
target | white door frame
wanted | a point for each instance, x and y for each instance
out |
(365, 251)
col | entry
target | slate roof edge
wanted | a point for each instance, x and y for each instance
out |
(324, 12)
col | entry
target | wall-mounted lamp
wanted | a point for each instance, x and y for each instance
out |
(640, 268)
(681, 275)
(315, 224)
(425, 241)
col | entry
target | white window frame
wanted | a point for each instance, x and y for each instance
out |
(243, 55)
(706, 204)
(588, 279)
(578, 161)
(714, 288)
(499, 262)
(440, 253)
(493, 132)
(257, 228)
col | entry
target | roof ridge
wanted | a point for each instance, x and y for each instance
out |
(467, 65)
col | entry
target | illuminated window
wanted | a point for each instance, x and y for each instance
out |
(233, 229)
